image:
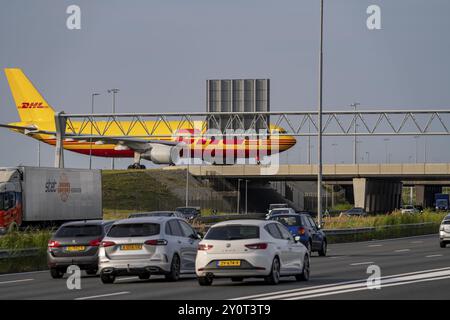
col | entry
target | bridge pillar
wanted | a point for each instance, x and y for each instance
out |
(377, 195)
(425, 195)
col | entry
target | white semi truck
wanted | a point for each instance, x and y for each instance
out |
(48, 196)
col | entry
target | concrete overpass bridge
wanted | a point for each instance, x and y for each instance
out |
(375, 187)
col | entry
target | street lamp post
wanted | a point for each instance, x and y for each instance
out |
(354, 105)
(417, 148)
(90, 140)
(113, 91)
(386, 140)
(319, 121)
(368, 156)
(238, 195)
(246, 198)
(187, 185)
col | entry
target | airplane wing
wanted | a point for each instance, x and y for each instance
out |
(137, 144)
(17, 127)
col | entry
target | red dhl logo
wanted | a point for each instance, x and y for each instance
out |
(32, 105)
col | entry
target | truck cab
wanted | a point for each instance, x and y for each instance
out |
(10, 201)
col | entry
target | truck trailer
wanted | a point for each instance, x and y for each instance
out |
(48, 196)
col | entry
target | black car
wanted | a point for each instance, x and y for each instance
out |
(76, 243)
(312, 237)
(189, 213)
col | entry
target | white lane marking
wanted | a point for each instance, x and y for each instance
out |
(103, 295)
(433, 255)
(127, 278)
(13, 281)
(21, 273)
(331, 285)
(361, 263)
(374, 245)
(365, 288)
(402, 250)
(417, 241)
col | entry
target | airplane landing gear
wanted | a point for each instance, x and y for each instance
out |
(137, 162)
(136, 166)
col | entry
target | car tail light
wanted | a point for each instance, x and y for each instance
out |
(53, 244)
(301, 231)
(107, 244)
(255, 246)
(158, 242)
(204, 247)
(95, 243)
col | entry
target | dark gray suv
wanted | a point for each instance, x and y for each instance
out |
(76, 243)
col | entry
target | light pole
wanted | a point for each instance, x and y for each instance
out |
(354, 105)
(246, 189)
(386, 140)
(187, 185)
(417, 148)
(319, 121)
(368, 156)
(238, 195)
(113, 91)
(39, 153)
(309, 143)
(90, 140)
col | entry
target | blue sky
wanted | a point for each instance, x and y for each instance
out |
(159, 54)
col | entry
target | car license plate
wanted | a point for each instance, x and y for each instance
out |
(131, 247)
(76, 248)
(229, 263)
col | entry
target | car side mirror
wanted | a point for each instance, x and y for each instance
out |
(297, 238)
(199, 235)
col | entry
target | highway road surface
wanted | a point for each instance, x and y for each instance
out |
(411, 268)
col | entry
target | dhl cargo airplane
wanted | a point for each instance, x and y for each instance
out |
(38, 121)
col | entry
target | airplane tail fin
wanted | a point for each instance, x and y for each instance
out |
(31, 106)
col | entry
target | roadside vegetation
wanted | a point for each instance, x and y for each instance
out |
(395, 218)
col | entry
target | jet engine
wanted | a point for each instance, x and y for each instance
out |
(163, 154)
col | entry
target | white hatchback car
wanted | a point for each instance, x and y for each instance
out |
(241, 249)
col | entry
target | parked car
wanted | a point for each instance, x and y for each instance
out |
(239, 249)
(444, 232)
(409, 209)
(280, 211)
(354, 212)
(189, 213)
(76, 243)
(149, 245)
(277, 206)
(302, 225)
(156, 214)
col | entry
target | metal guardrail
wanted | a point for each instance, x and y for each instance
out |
(351, 231)
(19, 253)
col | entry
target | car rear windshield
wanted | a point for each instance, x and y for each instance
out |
(446, 222)
(280, 211)
(134, 230)
(79, 231)
(233, 233)
(288, 220)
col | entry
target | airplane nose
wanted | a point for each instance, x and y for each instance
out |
(291, 141)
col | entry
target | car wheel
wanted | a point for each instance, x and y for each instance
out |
(237, 279)
(323, 249)
(205, 281)
(274, 276)
(144, 276)
(304, 276)
(56, 273)
(107, 278)
(442, 244)
(174, 274)
(91, 272)
(309, 247)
